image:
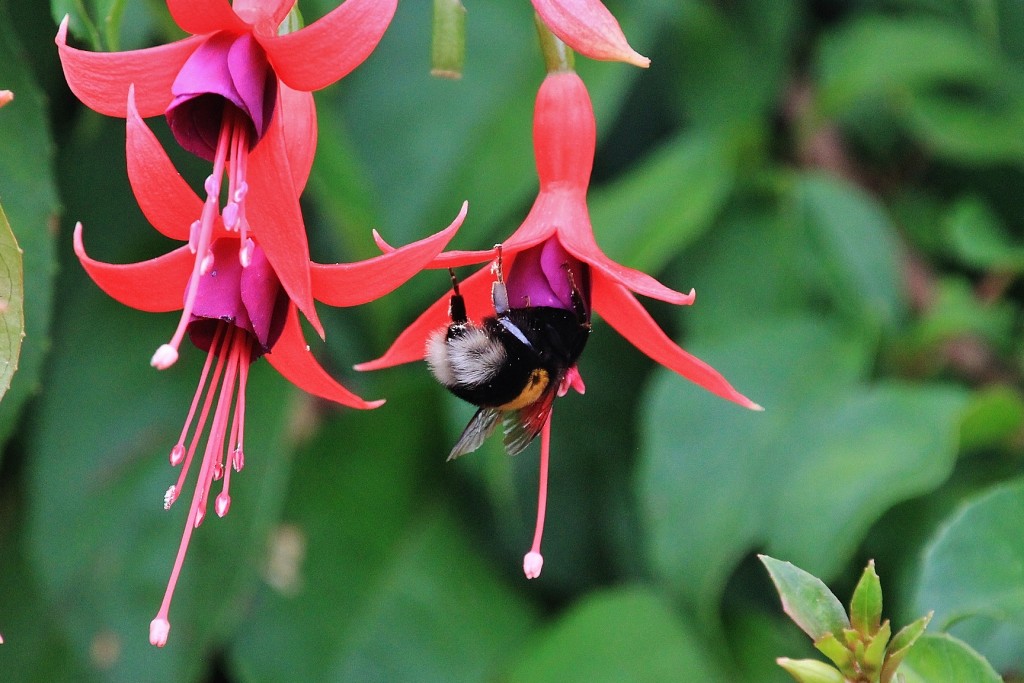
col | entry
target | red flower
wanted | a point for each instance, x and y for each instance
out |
(221, 90)
(556, 238)
(237, 309)
(589, 28)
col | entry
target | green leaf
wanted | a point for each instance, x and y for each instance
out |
(901, 644)
(993, 419)
(857, 248)
(12, 299)
(874, 652)
(806, 599)
(385, 583)
(647, 200)
(827, 457)
(972, 572)
(617, 635)
(839, 653)
(941, 658)
(30, 203)
(866, 603)
(978, 238)
(874, 56)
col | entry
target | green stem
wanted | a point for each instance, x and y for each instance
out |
(448, 45)
(557, 55)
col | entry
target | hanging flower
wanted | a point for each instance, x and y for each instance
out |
(589, 28)
(221, 90)
(235, 309)
(551, 255)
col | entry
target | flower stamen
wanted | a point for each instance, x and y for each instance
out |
(533, 561)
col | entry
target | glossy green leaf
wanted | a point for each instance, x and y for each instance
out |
(30, 203)
(856, 247)
(876, 56)
(804, 479)
(806, 600)
(618, 635)
(370, 580)
(647, 201)
(12, 300)
(941, 658)
(901, 645)
(972, 572)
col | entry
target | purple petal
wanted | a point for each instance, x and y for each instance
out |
(224, 69)
(264, 299)
(539, 276)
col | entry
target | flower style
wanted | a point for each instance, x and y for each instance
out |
(236, 309)
(589, 28)
(221, 90)
(556, 238)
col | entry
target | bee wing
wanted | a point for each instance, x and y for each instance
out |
(522, 426)
(476, 432)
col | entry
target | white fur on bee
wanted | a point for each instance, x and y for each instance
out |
(469, 359)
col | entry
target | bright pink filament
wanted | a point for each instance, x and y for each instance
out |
(533, 561)
(232, 348)
(232, 155)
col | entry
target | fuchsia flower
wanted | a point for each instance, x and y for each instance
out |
(589, 28)
(555, 240)
(220, 90)
(237, 310)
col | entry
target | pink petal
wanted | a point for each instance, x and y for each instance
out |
(165, 198)
(292, 358)
(328, 49)
(154, 286)
(411, 345)
(205, 16)
(589, 28)
(101, 79)
(352, 284)
(297, 109)
(274, 213)
(620, 310)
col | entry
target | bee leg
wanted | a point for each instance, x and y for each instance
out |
(499, 295)
(457, 305)
(578, 305)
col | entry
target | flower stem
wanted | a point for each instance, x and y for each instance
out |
(557, 55)
(448, 40)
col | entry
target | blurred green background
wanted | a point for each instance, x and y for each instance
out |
(840, 180)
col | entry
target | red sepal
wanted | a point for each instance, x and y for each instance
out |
(625, 314)
(101, 79)
(328, 49)
(206, 16)
(411, 345)
(353, 284)
(292, 358)
(272, 197)
(165, 198)
(154, 286)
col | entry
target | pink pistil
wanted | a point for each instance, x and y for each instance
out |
(233, 348)
(232, 156)
(533, 561)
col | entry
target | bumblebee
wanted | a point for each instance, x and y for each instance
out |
(511, 365)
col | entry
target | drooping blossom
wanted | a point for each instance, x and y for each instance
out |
(236, 310)
(589, 28)
(221, 90)
(557, 238)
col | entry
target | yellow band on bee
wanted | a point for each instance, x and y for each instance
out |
(535, 386)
